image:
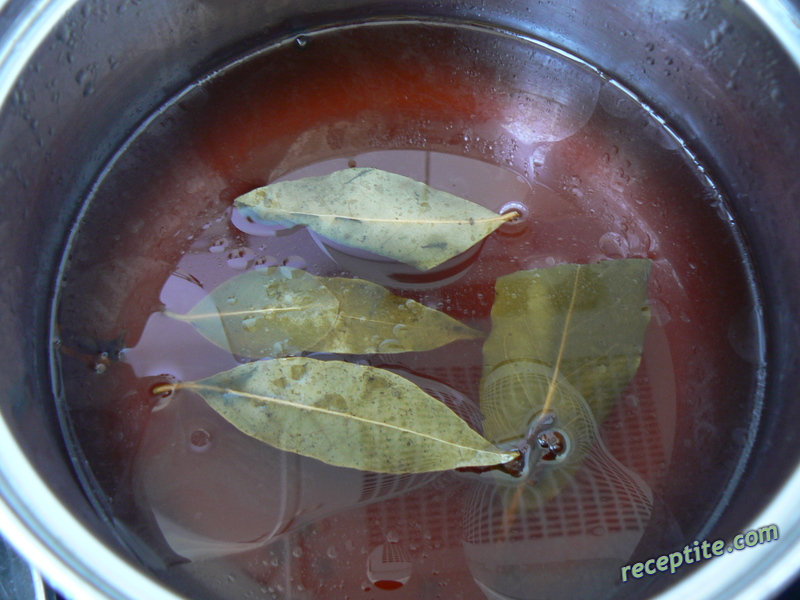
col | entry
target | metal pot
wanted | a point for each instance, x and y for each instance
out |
(77, 77)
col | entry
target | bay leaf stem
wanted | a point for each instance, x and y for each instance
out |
(163, 388)
(514, 467)
(509, 216)
(553, 381)
(235, 313)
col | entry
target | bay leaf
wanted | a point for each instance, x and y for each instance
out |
(371, 319)
(347, 415)
(281, 311)
(582, 323)
(277, 311)
(384, 213)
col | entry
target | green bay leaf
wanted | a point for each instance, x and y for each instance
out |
(582, 323)
(271, 312)
(378, 211)
(372, 319)
(346, 415)
(280, 312)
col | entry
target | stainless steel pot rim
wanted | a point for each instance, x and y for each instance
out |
(26, 33)
(77, 562)
(52, 539)
(753, 573)
(73, 560)
(782, 18)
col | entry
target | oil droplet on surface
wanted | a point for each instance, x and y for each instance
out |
(200, 440)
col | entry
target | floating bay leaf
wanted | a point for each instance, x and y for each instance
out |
(279, 312)
(582, 323)
(346, 415)
(372, 319)
(381, 212)
(269, 312)
(564, 344)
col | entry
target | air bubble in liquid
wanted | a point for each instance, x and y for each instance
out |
(218, 246)
(295, 262)
(249, 224)
(399, 329)
(264, 262)
(250, 324)
(240, 258)
(613, 245)
(390, 345)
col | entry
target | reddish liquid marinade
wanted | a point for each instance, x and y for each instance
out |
(600, 180)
